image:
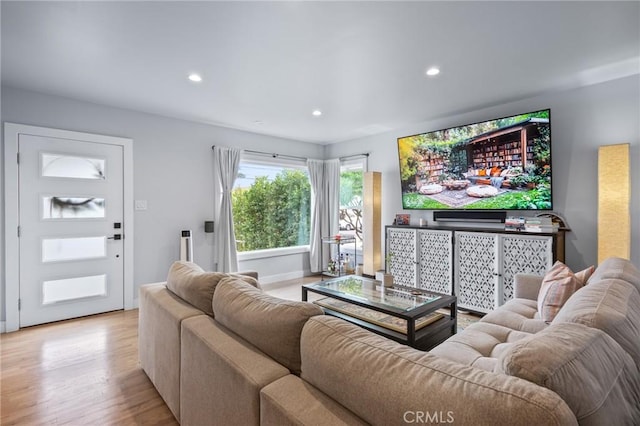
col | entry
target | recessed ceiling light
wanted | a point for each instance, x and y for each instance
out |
(316, 113)
(195, 78)
(433, 71)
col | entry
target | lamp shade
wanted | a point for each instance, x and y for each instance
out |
(614, 191)
(372, 222)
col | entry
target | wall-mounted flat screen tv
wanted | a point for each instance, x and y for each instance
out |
(500, 164)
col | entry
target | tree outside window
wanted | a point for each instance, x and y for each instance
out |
(351, 202)
(271, 206)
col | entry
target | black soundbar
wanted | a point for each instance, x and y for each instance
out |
(469, 215)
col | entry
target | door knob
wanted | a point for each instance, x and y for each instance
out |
(115, 237)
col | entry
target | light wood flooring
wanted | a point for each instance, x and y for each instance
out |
(85, 371)
(78, 372)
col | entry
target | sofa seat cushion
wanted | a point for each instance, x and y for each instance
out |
(615, 267)
(517, 314)
(386, 383)
(611, 305)
(586, 367)
(193, 284)
(273, 325)
(479, 345)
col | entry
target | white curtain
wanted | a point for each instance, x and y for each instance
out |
(226, 162)
(332, 202)
(324, 177)
(318, 220)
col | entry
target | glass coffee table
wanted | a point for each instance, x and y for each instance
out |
(408, 315)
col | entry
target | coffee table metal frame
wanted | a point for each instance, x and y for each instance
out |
(425, 338)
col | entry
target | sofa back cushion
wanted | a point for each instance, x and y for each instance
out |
(386, 383)
(190, 282)
(615, 267)
(586, 367)
(610, 305)
(271, 324)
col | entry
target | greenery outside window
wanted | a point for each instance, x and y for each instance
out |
(271, 205)
(351, 181)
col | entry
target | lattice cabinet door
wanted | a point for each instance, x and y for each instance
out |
(435, 260)
(527, 254)
(476, 263)
(401, 250)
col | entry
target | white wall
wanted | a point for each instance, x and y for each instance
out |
(581, 120)
(173, 171)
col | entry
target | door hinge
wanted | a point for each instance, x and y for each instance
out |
(19, 304)
(19, 232)
(18, 158)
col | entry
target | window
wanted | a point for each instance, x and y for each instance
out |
(351, 181)
(271, 205)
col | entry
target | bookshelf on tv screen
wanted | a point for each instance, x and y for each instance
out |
(500, 164)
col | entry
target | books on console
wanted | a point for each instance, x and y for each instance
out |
(513, 223)
(530, 224)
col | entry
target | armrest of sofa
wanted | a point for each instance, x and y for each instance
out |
(290, 401)
(160, 315)
(526, 286)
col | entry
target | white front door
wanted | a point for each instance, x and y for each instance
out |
(71, 228)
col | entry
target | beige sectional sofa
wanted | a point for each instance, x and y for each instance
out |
(256, 359)
(204, 371)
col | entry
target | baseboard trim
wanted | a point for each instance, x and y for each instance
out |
(3, 327)
(268, 282)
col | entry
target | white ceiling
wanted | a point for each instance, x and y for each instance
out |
(362, 63)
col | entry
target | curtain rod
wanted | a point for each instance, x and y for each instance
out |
(272, 154)
(366, 154)
(293, 157)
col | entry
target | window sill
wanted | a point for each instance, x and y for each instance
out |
(262, 254)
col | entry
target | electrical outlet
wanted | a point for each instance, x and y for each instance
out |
(141, 204)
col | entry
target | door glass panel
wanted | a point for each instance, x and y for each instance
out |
(60, 249)
(67, 166)
(73, 288)
(72, 208)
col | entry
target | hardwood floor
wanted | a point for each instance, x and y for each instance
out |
(85, 372)
(78, 372)
(292, 289)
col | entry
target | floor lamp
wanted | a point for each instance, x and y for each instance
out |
(614, 190)
(372, 222)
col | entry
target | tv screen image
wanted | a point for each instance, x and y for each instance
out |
(500, 164)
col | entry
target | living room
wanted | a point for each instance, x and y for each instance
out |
(595, 103)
